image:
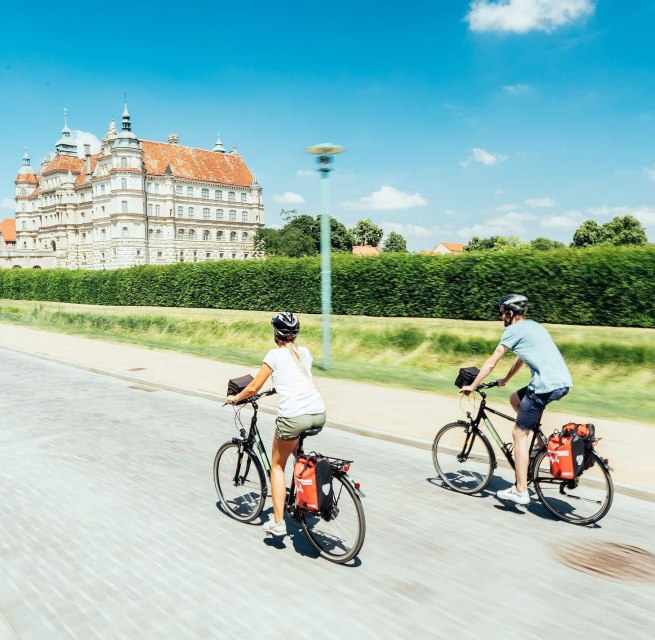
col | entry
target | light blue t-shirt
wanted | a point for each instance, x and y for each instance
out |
(529, 341)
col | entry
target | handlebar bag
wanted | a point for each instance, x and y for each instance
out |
(237, 385)
(466, 376)
(312, 476)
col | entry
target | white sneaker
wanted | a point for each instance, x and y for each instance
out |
(272, 529)
(513, 495)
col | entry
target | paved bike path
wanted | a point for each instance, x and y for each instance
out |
(387, 412)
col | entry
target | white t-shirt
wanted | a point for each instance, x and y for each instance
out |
(295, 388)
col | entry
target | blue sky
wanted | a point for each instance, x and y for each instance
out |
(519, 117)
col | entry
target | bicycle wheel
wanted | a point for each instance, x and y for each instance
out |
(463, 458)
(240, 482)
(582, 501)
(341, 538)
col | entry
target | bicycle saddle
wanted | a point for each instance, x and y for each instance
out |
(311, 432)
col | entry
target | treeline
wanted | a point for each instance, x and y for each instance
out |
(605, 285)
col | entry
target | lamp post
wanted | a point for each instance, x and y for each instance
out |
(324, 153)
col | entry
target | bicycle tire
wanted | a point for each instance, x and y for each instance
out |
(574, 501)
(469, 474)
(240, 483)
(327, 536)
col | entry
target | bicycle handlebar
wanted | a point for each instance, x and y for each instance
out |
(263, 394)
(487, 385)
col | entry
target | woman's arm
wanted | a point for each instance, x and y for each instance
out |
(256, 384)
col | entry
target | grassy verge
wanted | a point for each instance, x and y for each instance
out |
(613, 368)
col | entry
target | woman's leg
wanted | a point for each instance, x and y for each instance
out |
(282, 449)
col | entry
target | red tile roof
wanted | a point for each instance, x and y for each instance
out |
(455, 247)
(26, 177)
(8, 230)
(195, 164)
(366, 250)
(64, 163)
(80, 181)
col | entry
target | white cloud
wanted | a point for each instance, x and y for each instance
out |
(498, 192)
(522, 16)
(650, 173)
(566, 220)
(515, 89)
(511, 224)
(7, 204)
(386, 199)
(84, 137)
(645, 215)
(288, 197)
(503, 208)
(484, 157)
(539, 203)
(409, 230)
(305, 173)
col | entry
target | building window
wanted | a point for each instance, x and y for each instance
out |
(205, 235)
(205, 213)
(83, 235)
(234, 256)
(138, 252)
(123, 163)
(180, 212)
(157, 209)
(244, 236)
(158, 233)
(123, 183)
(244, 216)
(192, 234)
(245, 256)
(178, 189)
(219, 214)
(124, 232)
(233, 215)
(230, 196)
(149, 209)
(159, 254)
(219, 235)
(102, 188)
(156, 187)
(104, 233)
(233, 236)
(123, 206)
(24, 245)
(205, 193)
(243, 197)
(149, 232)
(148, 186)
(190, 212)
(218, 194)
(23, 225)
(220, 256)
(180, 234)
(189, 191)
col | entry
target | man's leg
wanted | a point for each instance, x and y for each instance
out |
(522, 439)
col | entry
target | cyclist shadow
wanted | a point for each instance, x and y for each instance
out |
(298, 539)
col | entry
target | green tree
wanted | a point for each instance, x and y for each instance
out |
(296, 243)
(340, 238)
(545, 244)
(493, 242)
(395, 243)
(366, 232)
(588, 234)
(266, 242)
(623, 230)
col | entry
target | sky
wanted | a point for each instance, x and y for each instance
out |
(458, 117)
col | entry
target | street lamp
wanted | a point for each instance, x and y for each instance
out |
(324, 153)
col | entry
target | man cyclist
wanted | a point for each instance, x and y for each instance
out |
(550, 381)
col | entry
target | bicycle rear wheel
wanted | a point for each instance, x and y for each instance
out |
(341, 538)
(584, 500)
(240, 482)
(463, 458)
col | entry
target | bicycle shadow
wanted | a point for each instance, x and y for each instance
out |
(224, 511)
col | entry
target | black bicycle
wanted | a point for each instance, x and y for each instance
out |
(464, 459)
(241, 466)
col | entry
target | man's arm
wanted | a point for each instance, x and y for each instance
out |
(517, 364)
(487, 368)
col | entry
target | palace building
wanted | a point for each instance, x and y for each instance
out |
(135, 202)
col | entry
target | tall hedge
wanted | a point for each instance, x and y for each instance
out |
(612, 286)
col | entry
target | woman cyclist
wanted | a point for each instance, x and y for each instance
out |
(300, 405)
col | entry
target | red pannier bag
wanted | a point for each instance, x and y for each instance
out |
(569, 450)
(312, 476)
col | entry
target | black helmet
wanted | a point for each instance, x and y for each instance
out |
(514, 302)
(286, 325)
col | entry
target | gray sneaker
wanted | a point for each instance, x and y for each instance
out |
(272, 529)
(513, 495)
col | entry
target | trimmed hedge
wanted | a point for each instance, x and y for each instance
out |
(613, 286)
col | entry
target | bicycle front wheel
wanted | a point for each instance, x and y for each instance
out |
(463, 457)
(240, 482)
(341, 538)
(584, 500)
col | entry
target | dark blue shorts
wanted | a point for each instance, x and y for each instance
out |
(533, 405)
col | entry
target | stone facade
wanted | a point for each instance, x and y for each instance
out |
(135, 202)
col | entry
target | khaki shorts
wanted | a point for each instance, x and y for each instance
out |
(292, 428)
